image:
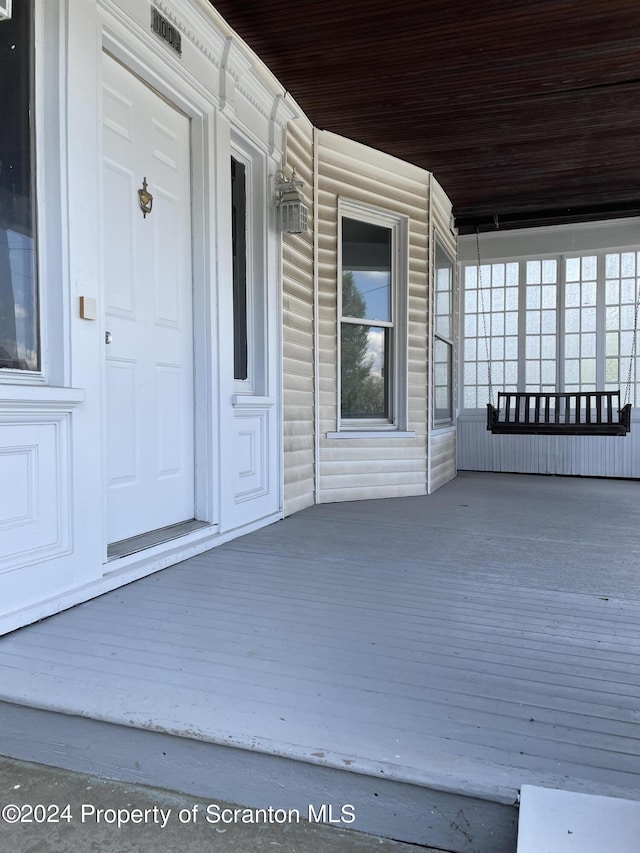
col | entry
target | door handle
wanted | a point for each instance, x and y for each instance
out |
(108, 337)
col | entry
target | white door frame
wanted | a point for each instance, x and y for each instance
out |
(157, 73)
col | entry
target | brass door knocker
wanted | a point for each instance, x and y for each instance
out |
(145, 198)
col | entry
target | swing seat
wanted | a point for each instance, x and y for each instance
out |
(585, 413)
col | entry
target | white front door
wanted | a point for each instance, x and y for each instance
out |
(148, 308)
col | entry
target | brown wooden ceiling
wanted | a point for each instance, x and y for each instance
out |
(525, 110)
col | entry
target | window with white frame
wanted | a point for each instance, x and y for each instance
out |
(541, 317)
(550, 324)
(443, 338)
(580, 323)
(370, 392)
(490, 304)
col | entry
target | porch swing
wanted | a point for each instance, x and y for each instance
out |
(545, 413)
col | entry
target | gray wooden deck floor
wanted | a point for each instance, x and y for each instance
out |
(471, 641)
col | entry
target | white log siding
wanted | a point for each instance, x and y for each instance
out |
(442, 440)
(298, 334)
(361, 468)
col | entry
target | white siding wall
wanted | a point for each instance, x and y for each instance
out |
(355, 469)
(298, 335)
(588, 456)
(442, 458)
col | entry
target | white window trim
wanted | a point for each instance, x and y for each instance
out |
(396, 424)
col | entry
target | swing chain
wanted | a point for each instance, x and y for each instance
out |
(484, 316)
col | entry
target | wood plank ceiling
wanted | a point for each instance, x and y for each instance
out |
(526, 111)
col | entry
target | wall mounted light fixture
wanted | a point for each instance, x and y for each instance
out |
(293, 213)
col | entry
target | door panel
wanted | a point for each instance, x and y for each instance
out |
(148, 308)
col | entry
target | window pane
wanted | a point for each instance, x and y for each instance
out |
(19, 337)
(613, 266)
(548, 373)
(533, 272)
(366, 270)
(572, 295)
(533, 373)
(470, 278)
(572, 346)
(469, 397)
(365, 371)
(573, 269)
(497, 348)
(491, 322)
(533, 346)
(533, 296)
(511, 301)
(549, 296)
(589, 267)
(443, 384)
(628, 290)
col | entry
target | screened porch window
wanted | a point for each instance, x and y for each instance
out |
(366, 329)
(563, 324)
(19, 323)
(490, 304)
(541, 319)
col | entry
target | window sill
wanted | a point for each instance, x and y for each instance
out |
(370, 433)
(43, 395)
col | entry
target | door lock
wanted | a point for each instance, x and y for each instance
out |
(108, 337)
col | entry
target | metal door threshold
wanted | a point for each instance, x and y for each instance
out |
(154, 537)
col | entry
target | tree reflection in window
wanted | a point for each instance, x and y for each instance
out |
(363, 359)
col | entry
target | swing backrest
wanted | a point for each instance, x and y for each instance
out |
(581, 413)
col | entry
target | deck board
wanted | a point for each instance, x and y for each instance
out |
(473, 640)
